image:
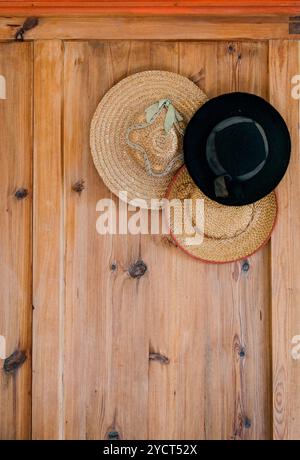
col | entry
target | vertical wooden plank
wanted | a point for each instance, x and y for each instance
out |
(48, 243)
(76, 332)
(284, 64)
(106, 310)
(247, 67)
(176, 403)
(15, 236)
(212, 322)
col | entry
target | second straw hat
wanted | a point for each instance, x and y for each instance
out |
(137, 132)
(219, 233)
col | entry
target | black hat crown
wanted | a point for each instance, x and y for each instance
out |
(237, 148)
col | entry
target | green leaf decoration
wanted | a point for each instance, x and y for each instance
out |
(178, 116)
(151, 111)
(161, 103)
(170, 118)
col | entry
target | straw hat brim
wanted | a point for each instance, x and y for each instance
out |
(117, 110)
(251, 237)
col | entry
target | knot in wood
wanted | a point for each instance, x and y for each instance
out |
(14, 361)
(230, 48)
(21, 193)
(159, 357)
(78, 186)
(137, 269)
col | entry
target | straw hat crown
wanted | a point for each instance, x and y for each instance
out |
(137, 131)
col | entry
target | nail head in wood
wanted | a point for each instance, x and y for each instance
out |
(242, 352)
(137, 269)
(113, 267)
(21, 193)
(247, 423)
(20, 35)
(14, 361)
(245, 266)
(113, 435)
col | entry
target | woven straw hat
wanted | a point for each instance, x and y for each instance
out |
(137, 133)
(229, 233)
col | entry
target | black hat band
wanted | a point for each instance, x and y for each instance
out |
(215, 164)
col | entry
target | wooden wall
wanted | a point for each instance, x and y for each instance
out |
(189, 350)
(16, 191)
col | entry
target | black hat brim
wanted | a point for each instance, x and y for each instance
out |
(230, 105)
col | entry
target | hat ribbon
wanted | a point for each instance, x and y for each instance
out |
(213, 161)
(172, 118)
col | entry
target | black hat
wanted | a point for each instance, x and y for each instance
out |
(237, 148)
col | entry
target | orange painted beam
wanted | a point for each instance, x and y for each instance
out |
(167, 7)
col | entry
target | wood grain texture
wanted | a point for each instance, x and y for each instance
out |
(145, 27)
(15, 238)
(202, 326)
(48, 248)
(185, 351)
(192, 7)
(284, 64)
(113, 323)
(107, 384)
